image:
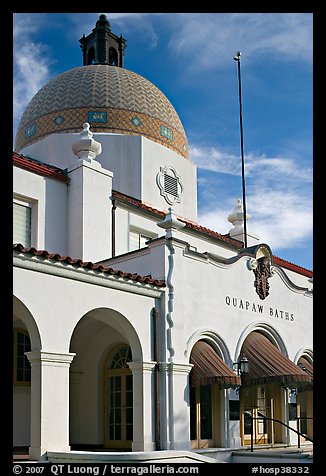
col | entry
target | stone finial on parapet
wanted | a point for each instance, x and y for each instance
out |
(237, 220)
(86, 148)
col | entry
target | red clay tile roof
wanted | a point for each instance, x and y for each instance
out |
(78, 263)
(292, 267)
(189, 224)
(48, 170)
(39, 168)
(195, 226)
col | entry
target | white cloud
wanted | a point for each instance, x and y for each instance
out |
(215, 160)
(258, 166)
(31, 65)
(120, 22)
(279, 219)
(208, 36)
(278, 196)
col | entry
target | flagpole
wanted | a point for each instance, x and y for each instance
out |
(237, 59)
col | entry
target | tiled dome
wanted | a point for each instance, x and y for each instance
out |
(111, 99)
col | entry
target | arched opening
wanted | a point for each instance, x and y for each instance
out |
(113, 56)
(91, 55)
(104, 342)
(208, 379)
(25, 338)
(263, 398)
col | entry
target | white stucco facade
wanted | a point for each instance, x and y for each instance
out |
(76, 315)
(133, 317)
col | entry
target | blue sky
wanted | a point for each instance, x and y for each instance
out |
(189, 56)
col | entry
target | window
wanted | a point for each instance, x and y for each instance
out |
(138, 238)
(113, 56)
(22, 367)
(22, 217)
(91, 56)
(234, 407)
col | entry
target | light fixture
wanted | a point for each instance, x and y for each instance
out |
(242, 365)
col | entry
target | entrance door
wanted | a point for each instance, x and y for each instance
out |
(254, 404)
(201, 433)
(118, 414)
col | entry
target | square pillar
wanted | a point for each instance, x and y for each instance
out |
(89, 211)
(144, 406)
(178, 405)
(49, 402)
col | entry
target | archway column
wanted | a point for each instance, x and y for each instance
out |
(49, 402)
(144, 406)
(178, 405)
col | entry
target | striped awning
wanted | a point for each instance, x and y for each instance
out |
(209, 368)
(267, 364)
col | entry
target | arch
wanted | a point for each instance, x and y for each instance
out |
(21, 312)
(304, 352)
(91, 55)
(113, 56)
(118, 322)
(22, 414)
(267, 330)
(95, 336)
(214, 340)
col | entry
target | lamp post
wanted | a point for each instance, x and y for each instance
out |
(237, 59)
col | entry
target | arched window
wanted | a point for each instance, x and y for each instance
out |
(120, 359)
(113, 56)
(91, 56)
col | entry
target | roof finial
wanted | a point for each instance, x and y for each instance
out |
(237, 220)
(170, 222)
(86, 148)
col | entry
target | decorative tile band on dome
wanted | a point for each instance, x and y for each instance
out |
(111, 99)
(111, 120)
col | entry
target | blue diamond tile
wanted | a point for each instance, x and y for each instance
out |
(136, 121)
(59, 120)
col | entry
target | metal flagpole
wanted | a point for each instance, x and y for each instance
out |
(237, 58)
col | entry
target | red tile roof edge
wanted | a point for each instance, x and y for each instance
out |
(39, 168)
(48, 170)
(189, 224)
(195, 226)
(292, 267)
(89, 265)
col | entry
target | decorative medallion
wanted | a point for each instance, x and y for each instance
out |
(262, 272)
(170, 185)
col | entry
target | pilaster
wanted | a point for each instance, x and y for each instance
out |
(144, 406)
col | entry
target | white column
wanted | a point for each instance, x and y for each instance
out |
(144, 406)
(49, 402)
(178, 405)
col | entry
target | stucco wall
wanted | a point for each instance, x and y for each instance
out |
(49, 208)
